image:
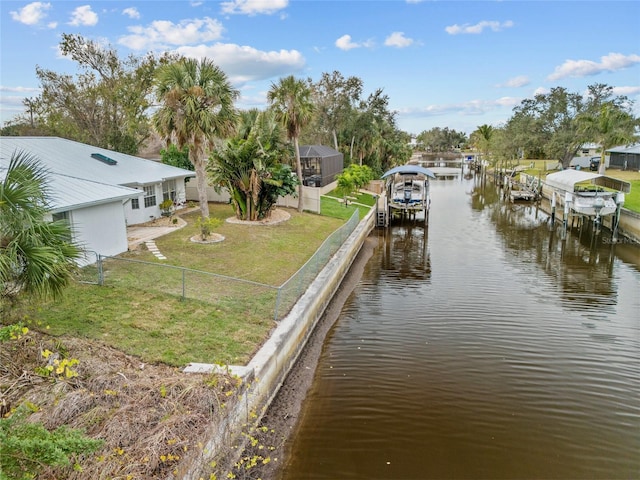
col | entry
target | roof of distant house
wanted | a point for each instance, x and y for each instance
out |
(626, 149)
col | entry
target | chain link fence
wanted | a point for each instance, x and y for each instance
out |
(256, 298)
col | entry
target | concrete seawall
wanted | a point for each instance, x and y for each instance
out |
(264, 374)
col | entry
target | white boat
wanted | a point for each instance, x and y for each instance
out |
(408, 189)
(588, 193)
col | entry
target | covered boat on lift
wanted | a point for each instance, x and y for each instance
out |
(407, 189)
(589, 193)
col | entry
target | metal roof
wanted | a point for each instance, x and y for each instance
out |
(74, 159)
(409, 170)
(67, 192)
(314, 151)
(626, 149)
(566, 180)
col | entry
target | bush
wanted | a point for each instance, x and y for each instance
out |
(28, 447)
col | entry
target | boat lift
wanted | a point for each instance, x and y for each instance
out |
(587, 195)
(406, 194)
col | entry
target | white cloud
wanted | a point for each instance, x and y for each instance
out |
(25, 90)
(471, 107)
(515, 82)
(540, 91)
(345, 43)
(397, 39)
(585, 68)
(165, 34)
(52, 25)
(627, 91)
(83, 16)
(254, 7)
(243, 63)
(478, 27)
(131, 12)
(32, 13)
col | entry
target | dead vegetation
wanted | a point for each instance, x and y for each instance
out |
(152, 418)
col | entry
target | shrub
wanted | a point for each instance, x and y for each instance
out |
(27, 447)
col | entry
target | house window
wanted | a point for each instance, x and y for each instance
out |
(61, 216)
(149, 196)
(65, 217)
(169, 190)
(135, 204)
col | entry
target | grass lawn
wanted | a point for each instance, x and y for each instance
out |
(332, 205)
(133, 312)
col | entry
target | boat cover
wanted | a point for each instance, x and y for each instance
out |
(409, 170)
(566, 180)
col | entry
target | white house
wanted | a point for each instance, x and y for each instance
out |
(99, 191)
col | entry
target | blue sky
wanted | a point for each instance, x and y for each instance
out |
(456, 64)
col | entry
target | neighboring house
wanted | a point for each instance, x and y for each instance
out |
(589, 150)
(320, 165)
(626, 158)
(99, 191)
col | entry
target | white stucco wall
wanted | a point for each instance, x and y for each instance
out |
(101, 229)
(142, 214)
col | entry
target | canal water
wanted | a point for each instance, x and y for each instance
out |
(481, 347)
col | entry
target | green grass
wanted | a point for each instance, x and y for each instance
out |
(631, 199)
(220, 321)
(332, 205)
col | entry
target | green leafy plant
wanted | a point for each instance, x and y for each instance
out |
(206, 225)
(27, 447)
(166, 207)
(13, 332)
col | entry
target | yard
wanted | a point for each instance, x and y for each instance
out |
(134, 314)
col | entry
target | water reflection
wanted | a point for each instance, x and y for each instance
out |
(405, 249)
(483, 346)
(581, 262)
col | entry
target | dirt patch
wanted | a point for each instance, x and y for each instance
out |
(212, 238)
(277, 216)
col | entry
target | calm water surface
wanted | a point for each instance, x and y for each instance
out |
(481, 347)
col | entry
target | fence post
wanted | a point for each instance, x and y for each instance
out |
(275, 313)
(100, 271)
(183, 284)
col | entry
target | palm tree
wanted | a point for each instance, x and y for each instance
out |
(612, 126)
(36, 256)
(292, 101)
(197, 107)
(249, 165)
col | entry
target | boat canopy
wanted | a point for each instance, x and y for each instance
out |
(567, 180)
(409, 170)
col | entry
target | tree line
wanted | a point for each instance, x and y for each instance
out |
(117, 103)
